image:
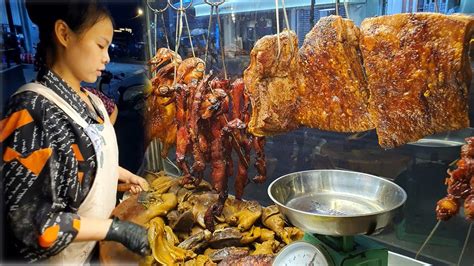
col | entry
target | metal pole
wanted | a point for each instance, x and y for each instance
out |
(150, 51)
(155, 20)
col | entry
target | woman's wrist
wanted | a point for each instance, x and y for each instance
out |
(125, 175)
(93, 229)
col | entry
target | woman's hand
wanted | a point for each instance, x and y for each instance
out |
(131, 235)
(138, 184)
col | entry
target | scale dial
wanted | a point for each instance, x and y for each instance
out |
(302, 253)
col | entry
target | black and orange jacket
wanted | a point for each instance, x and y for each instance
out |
(48, 167)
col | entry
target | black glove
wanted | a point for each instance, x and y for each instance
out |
(131, 235)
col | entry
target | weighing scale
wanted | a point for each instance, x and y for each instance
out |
(324, 250)
(335, 208)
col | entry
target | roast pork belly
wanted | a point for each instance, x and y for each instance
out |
(418, 73)
(273, 83)
(335, 96)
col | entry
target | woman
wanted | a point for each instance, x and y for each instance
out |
(60, 155)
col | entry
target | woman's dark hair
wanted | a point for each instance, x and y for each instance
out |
(79, 15)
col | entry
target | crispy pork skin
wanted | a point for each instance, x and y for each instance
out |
(273, 83)
(335, 95)
(418, 72)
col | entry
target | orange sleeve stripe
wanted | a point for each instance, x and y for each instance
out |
(77, 152)
(36, 160)
(49, 236)
(76, 224)
(80, 176)
(14, 121)
(10, 154)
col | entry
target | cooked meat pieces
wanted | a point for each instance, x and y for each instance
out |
(418, 73)
(273, 83)
(335, 95)
(460, 186)
(254, 260)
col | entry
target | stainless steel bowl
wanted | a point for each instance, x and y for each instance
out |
(335, 202)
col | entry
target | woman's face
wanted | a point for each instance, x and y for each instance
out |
(89, 53)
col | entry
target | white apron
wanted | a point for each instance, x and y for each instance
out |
(101, 199)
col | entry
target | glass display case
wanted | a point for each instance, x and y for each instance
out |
(420, 169)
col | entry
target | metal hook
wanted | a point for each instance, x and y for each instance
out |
(179, 21)
(157, 10)
(160, 11)
(221, 43)
(189, 34)
(278, 27)
(287, 26)
(208, 33)
(214, 4)
(180, 8)
(346, 9)
(277, 14)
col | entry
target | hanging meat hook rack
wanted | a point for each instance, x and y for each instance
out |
(180, 13)
(215, 6)
(161, 11)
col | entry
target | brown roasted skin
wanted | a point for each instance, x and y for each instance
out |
(418, 72)
(160, 109)
(460, 186)
(197, 129)
(182, 137)
(240, 109)
(335, 95)
(260, 163)
(273, 84)
(190, 69)
(159, 117)
(446, 208)
(219, 149)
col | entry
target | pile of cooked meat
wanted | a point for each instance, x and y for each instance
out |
(406, 75)
(175, 215)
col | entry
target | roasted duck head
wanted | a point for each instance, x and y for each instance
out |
(213, 103)
(190, 69)
(164, 57)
